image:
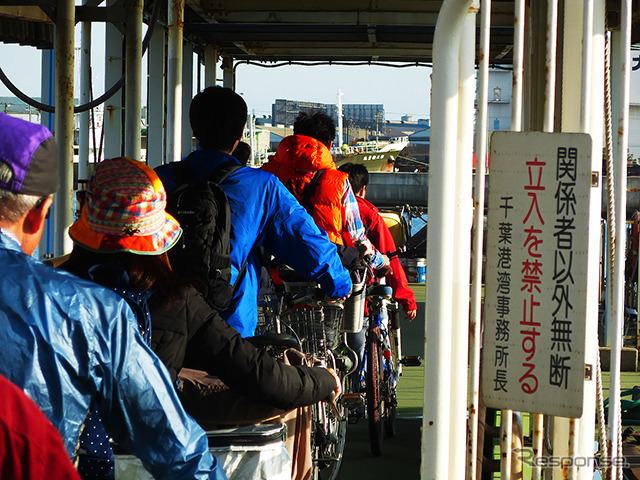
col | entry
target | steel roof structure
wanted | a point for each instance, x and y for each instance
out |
(289, 31)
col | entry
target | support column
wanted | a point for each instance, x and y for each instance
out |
(187, 95)
(133, 80)
(228, 74)
(155, 109)
(85, 87)
(112, 119)
(436, 429)
(47, 87)
(573, 109)
(462, 245)
(210, 66)
(64, 124)
(174, 80)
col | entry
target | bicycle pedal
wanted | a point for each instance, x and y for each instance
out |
(353, 401)
(411, 361)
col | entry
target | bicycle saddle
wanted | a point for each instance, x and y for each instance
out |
(274, 339)
(380, 291)
(287, 274)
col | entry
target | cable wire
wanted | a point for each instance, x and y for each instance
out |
(101, 99)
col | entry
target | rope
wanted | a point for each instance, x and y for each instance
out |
(602, 427)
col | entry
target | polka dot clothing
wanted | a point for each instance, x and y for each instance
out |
(95, 455)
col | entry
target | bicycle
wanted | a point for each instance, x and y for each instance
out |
(381, 365)
(316, 324)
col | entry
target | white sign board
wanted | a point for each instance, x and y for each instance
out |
(536, 272)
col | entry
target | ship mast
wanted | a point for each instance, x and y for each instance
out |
(339, 119)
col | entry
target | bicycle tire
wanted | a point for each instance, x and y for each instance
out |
(327, 446)
(391, 420)
(375, 403)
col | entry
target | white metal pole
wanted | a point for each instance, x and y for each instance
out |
(617, 313)
(252, 138)
(210, 66)
(174, 80)
(64, 122)
(585, 120)
(462, 246)
(444, 109)
(478, 235)
(133, 80)
(518, 66)
(47, 86)
(516, 126)
(187, 95)
(587, 52)
(550, 66)
(113, 70)
(547, 126)
(155, 109)
(83, 118)
(340, 127)
(228, 74)
(572, 114)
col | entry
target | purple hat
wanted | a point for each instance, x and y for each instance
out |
(28, 157)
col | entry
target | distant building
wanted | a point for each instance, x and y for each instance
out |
(499, 109)
(284, 112)
(17, 108)
(363, 115)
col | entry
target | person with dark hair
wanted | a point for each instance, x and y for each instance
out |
(69, 343)
(315, 124)
(121, 241)
(263, 212)
(304, 164)
(380, 236)
(243, 153)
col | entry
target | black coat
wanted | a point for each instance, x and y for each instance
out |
(190, 334)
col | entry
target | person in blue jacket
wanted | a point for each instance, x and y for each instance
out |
(68, 342)
(263, 212)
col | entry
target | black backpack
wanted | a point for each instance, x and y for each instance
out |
(202, 255)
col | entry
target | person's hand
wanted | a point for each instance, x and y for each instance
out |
(338, 390)
(328, 299)
(386, 269)
(411, 314)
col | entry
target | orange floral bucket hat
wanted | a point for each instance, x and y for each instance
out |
(124, 211)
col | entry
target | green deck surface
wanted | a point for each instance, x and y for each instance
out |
(402, 455)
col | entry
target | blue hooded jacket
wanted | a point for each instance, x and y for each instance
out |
(264, 213)
(67, 341)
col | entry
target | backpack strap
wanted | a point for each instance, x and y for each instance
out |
(183, 172)
(223, 171)
(310, 190)
(185, 175)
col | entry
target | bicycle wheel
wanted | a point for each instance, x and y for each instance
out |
(375, 403)
(328, 439)
(391, 376)
(390, 421)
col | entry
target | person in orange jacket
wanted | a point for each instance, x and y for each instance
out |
(380, 236)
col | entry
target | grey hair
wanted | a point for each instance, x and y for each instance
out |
(13, 206)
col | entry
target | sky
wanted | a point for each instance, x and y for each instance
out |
(402, 91)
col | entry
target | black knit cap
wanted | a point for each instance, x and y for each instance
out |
(28, 157)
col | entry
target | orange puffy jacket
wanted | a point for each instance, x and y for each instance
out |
(295, 163)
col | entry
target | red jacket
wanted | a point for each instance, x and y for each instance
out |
(30, 446)
(380, 236)
(295, 163)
